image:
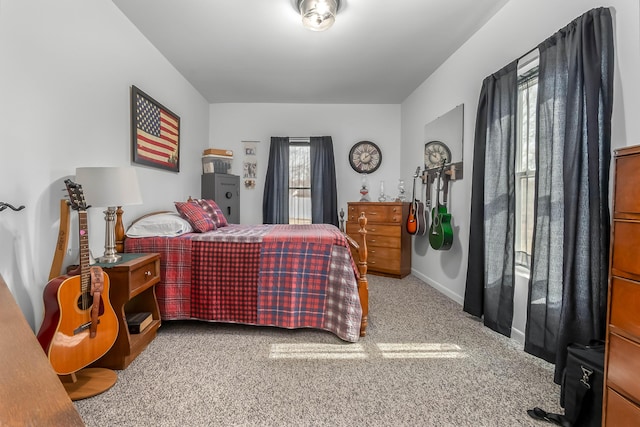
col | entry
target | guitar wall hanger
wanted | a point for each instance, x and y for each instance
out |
(4, 206)
(454, 170)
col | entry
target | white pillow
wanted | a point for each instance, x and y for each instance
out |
(161, 224)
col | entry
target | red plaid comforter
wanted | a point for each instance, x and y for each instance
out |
(290, 276)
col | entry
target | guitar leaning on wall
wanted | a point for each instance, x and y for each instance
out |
(79, 324)
(441, 233)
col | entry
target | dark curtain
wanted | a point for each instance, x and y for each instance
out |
(324, 193)
(275, 202)
(490, 271)
(568, 284)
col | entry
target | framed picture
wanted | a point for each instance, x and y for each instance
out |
(155, 133)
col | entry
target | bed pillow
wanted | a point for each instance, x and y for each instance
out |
(197, 217)
(214, 212)
(168, 224)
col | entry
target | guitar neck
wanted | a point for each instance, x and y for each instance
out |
(445, 189)
(438, 190)
(85, 271)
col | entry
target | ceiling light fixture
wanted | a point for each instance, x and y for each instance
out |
(318, 15)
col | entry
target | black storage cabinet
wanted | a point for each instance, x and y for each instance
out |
(224, 189)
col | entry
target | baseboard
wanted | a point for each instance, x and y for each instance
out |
(443, 290)
(516, 334)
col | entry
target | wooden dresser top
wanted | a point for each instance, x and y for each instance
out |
(30, 391)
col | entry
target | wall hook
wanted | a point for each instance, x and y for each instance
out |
(4, 206)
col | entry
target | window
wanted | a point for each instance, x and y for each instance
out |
(299, 182)
(526, 161)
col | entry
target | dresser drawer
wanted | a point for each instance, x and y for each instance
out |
(625, 305)
(374, 240)
(627, 190)
(143, 275)
(623, 366)
(620, 411)
(624, 259)
(375, 230)
(376, 212)
(384, 259)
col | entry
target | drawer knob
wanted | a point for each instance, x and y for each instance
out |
(147, 273)
(372, 229)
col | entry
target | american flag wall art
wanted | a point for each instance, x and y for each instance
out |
(155, 133)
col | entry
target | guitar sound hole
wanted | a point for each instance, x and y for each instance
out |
(85, 301)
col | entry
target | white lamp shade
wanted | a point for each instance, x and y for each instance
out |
(109, 186)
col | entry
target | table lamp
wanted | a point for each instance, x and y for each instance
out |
(109, 187)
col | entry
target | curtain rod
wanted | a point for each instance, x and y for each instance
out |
(527, 53)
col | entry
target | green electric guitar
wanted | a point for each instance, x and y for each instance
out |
(440, 232)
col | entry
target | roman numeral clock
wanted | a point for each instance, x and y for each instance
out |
(365, 157)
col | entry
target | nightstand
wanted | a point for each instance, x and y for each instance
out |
(132, 289)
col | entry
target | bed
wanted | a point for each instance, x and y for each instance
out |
(287, 276)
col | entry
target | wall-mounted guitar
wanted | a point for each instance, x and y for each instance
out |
(440, 232)
(417, 219)
(79, 325)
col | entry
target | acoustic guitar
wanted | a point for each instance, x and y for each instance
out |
(79, 324)
(440, 232)
(421, 215)
(412, 225)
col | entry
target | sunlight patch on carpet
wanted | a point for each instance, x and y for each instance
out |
(420, 351)
(317, 351)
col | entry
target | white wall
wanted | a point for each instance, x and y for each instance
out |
(346, 124)
(514, 30)
(65, 72)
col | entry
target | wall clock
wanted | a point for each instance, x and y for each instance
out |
(365, 157)
(436, 154)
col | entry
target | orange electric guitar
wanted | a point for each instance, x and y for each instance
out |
(79, 324)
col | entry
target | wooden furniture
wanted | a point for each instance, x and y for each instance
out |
(133, 281)
(224, 189)
(622, 358)
(363, 283)
(388, 243)
(30, 391)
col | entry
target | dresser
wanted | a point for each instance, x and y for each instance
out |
(388, 243)
(622, 357)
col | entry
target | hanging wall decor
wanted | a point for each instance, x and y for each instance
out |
(250, 164)
(155, 133)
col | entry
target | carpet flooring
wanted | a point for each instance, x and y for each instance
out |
(424, 362)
